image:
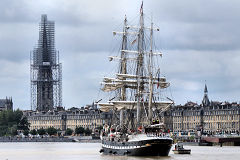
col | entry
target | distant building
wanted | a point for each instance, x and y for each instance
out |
(86, 117)
(206, 118)
(6, 104)
(186, 118)
(221, 117)
(46, 120)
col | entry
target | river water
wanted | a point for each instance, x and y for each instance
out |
(90, 151)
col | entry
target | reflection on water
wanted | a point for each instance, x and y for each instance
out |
(90, 151)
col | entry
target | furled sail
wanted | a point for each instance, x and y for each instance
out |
(106, 107)
(130, 81)
(119, 105)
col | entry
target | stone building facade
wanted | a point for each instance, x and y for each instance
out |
(86, 117)
(222, 117)
(47, 120)
(186, 118)
(207, 118)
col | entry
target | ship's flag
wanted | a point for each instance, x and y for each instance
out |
(158, 79)
(134, 41)
(140, 128)
(141, 9)
(158, 84)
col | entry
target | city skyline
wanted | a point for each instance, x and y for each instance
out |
(199, 41)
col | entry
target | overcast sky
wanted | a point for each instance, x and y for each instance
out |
(200, 41)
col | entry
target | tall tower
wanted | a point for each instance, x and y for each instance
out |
(46, 71)
(205, 101)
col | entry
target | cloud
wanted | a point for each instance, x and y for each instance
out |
(14, 82)
(198, 25)
(188, 70)
(83, 74)
(199, 39)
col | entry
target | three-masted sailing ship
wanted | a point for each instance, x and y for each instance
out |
(136, 128)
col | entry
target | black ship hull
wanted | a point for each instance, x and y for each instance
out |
(153, 147)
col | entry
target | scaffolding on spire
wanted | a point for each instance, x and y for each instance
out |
(46, 71)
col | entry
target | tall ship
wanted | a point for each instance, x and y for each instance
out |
(137, 96)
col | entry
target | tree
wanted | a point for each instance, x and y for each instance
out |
(98, 129)
(23, 124)
(88, 131)
(192, 138)
(10, 121)
(18, 116)
(26, 132)
(51, 131)
(79, 130)
(69, 131)
(41, 131)
(33, 132)
(13, 130)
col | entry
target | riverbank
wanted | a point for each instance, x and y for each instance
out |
(50, 139)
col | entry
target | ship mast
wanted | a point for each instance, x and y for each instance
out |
(123, 67)
(150, 76)
(140, 85)
(138, 80)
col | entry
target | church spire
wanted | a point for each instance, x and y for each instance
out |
(205, 90)
(205, 101)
